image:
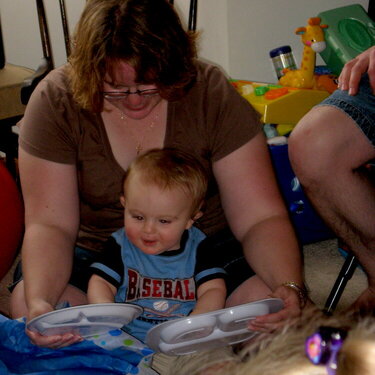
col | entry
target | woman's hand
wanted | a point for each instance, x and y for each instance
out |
(52, 342)
(291, 310)
(55, 341)
(354, 69)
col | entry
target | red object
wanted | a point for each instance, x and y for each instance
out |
(276, 93)
(11, 220)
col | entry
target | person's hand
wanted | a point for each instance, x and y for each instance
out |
(354, 69)
(270, 322)
(55, 341)
(52, 342)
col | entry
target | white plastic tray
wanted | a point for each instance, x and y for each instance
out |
(210, 330)
(86, 320)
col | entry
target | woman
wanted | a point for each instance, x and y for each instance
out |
(133, 84)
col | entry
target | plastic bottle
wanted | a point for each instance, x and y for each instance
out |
(282, 57)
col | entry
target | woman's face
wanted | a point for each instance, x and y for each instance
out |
(134, 99)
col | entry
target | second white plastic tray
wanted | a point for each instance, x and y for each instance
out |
(210, 330)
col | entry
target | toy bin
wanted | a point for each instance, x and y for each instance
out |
(308, 225)
(350, 31)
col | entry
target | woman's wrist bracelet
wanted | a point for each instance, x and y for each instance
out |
(301, 292)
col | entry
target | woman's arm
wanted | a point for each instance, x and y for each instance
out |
(210, 296)
(51, 225)
(259, 219)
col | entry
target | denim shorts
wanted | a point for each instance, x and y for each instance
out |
(80, 273)
(360, 107)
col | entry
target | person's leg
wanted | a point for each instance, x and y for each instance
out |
(328, 152)
(242, 284)
(74, 294)
(252, 289)
(18, 309)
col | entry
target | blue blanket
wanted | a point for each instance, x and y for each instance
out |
(90, 357)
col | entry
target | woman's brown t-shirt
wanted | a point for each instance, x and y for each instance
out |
(210, 121)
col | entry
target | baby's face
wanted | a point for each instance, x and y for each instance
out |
(155, 218)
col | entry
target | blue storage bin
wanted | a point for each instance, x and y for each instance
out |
(307, 223)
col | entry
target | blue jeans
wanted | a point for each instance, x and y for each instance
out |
(360, 108)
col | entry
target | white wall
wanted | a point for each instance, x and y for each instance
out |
(235, 34)
(19, 22)
(212, 24)
(257, 26)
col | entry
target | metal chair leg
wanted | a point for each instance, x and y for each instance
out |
(344, 276)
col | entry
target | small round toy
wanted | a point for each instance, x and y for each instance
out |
(323, 346)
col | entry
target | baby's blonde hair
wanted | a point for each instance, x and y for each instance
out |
(357, 356)
(283, 352)
(170, 168)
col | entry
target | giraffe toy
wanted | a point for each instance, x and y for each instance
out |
(312, 37)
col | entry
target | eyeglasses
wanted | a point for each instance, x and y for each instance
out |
(117, 95)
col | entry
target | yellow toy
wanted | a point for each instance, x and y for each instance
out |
(312, 37)
(299, 89)
(277, 104)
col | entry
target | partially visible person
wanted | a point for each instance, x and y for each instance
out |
(315, 344)
(331, 151)
(353, 71)
(154, 261)
(133, 83)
